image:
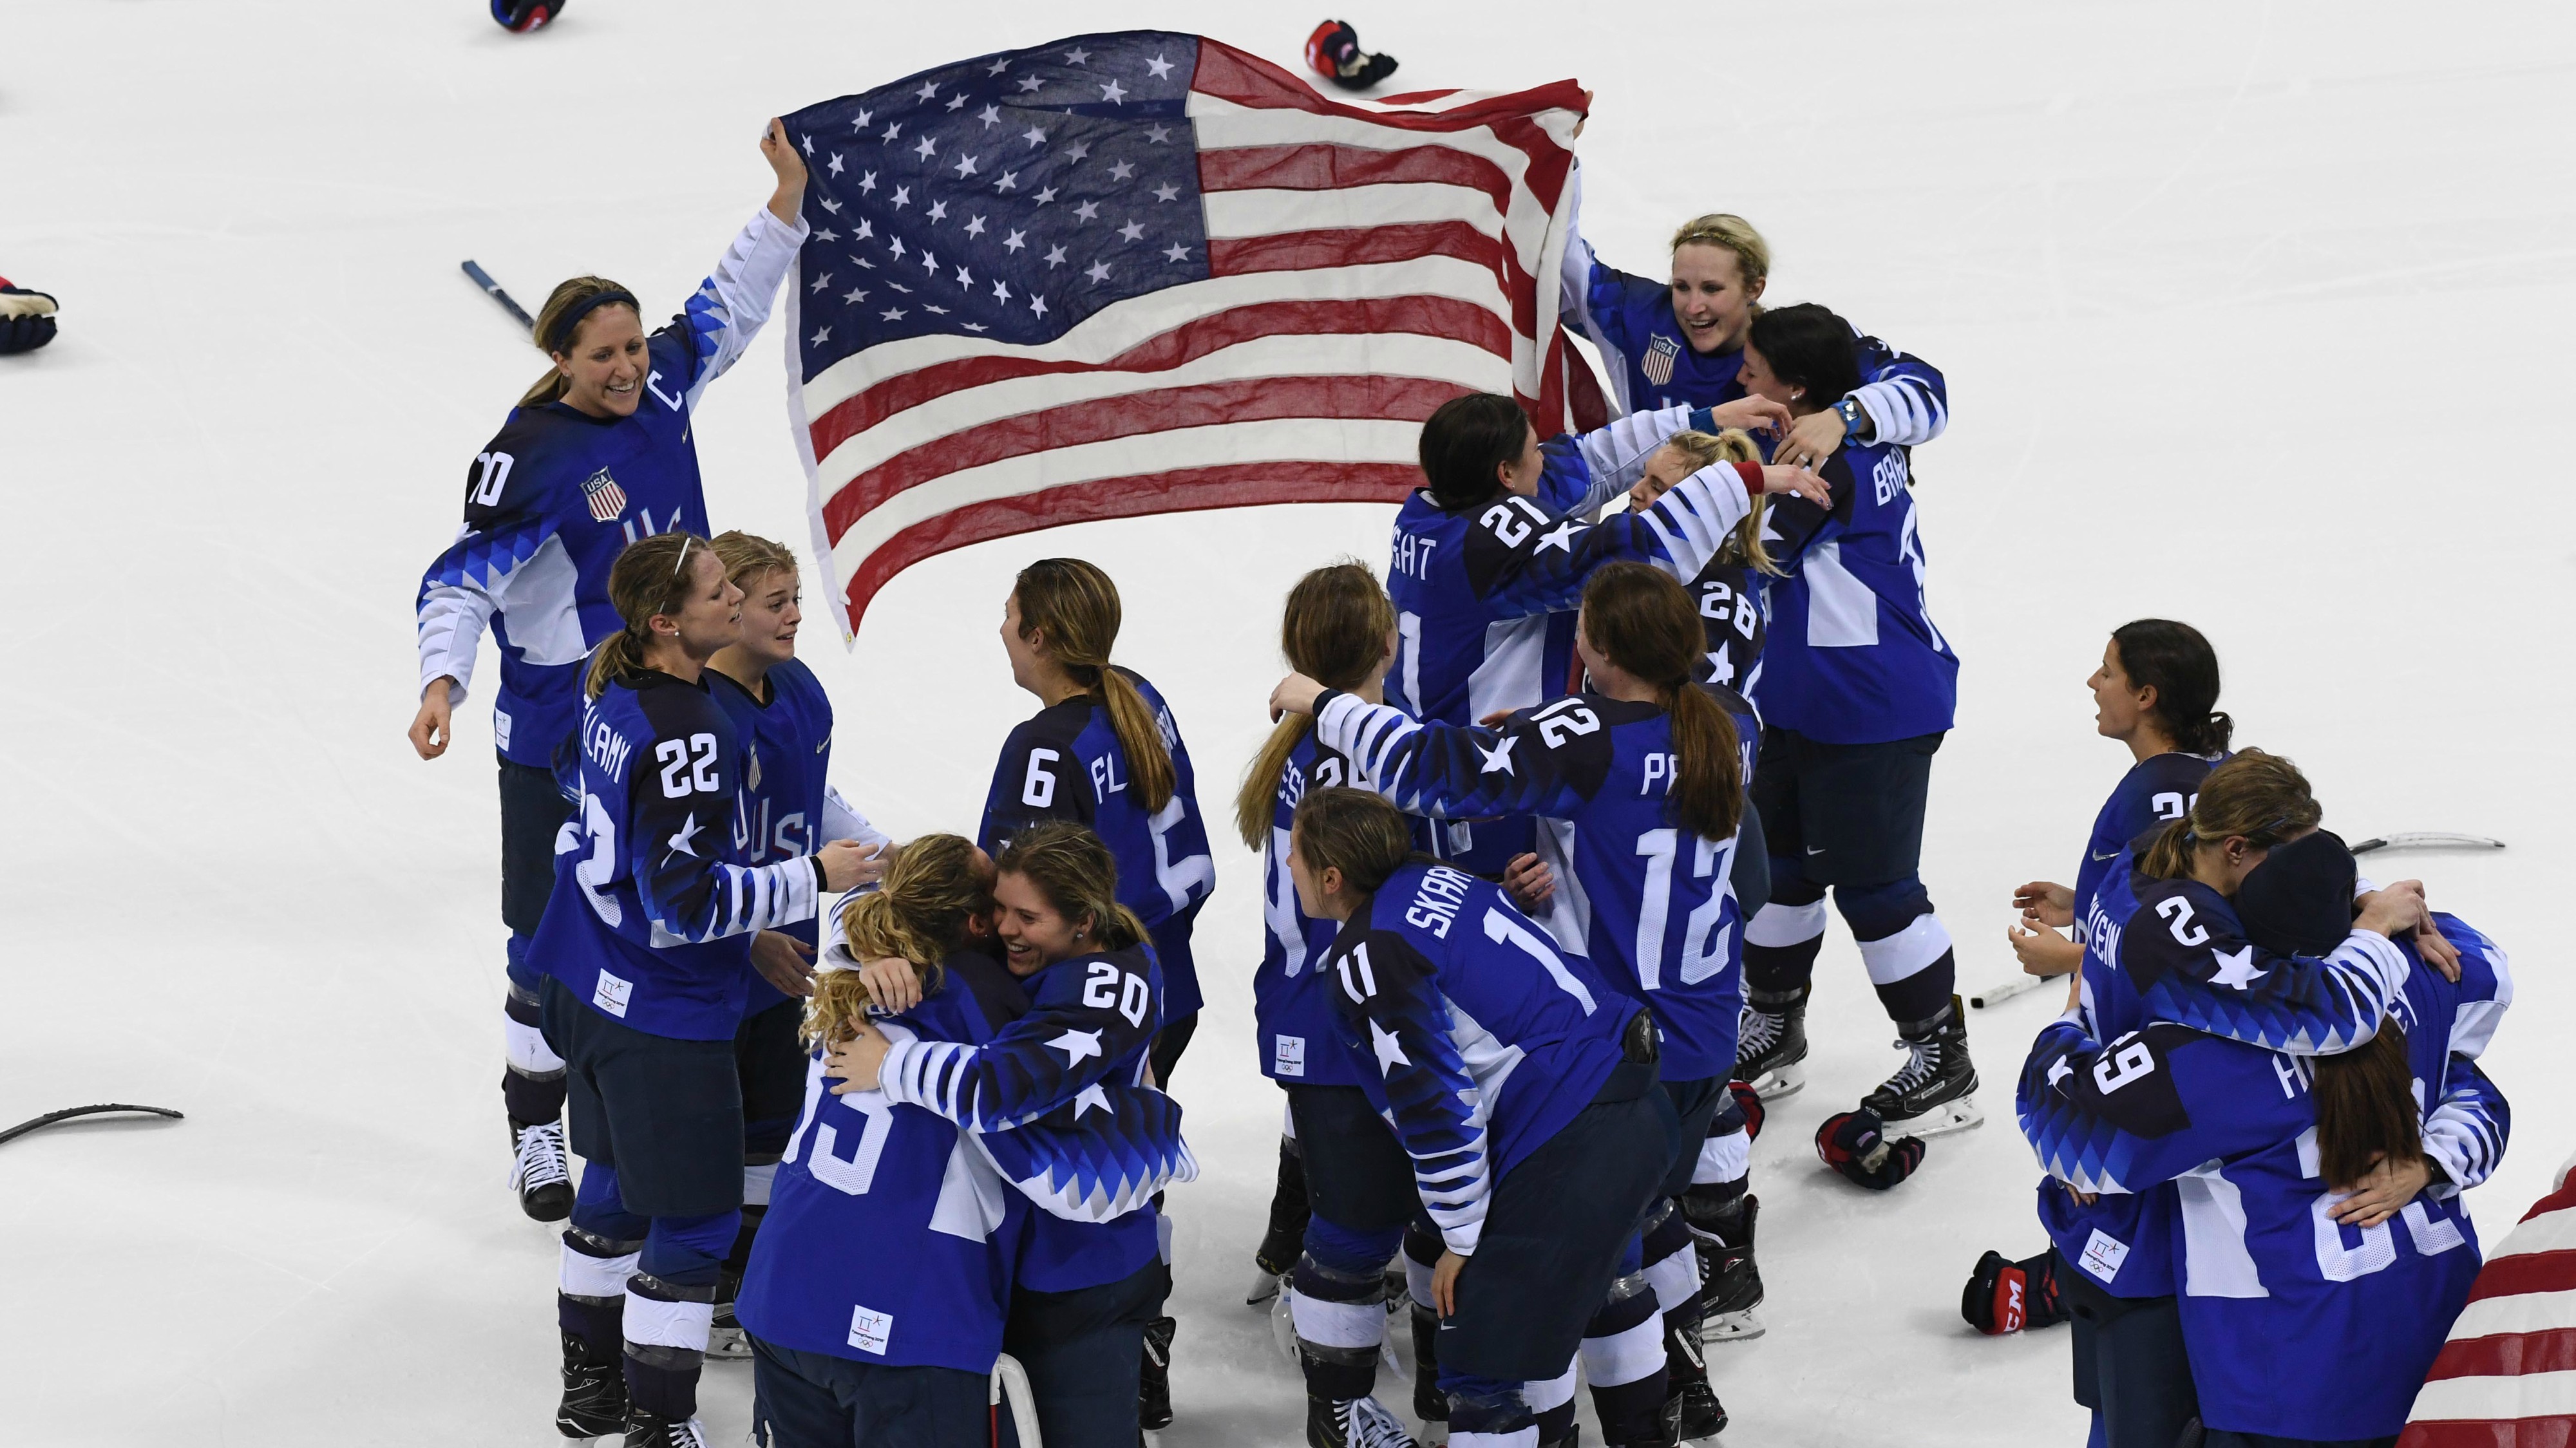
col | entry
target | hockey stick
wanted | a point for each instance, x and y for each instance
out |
(483, 279)
(1008, 1374)
(2427, 840)
(2004, 990)
(68, 1112)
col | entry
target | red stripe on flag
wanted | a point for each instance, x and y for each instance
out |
(1415, 97)
(2507, 1354)
(1330, 168)
(1246, 80)
(1353, 246)
(2554, 1430)
(2526, 1272)
(2557, 1201)
(1444, 317)
(1254, 399)
(1234, 485)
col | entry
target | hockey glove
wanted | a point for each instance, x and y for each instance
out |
(2004, 1296)
(521, 16)
(26, 318)
(1334, 53)
(1854, 1144)
(1748, 1101)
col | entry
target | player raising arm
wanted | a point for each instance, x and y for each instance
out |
(1681, 342)
(1733, 591)
(597, 454)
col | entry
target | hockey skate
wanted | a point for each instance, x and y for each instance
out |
(726, 1341)
(1771, 1042)
(541, 1173)
(1285, 1238)
(1694, 1414)
(1353, 1423)
(652, 1430)
(594, 1392)
(1430, 1405)
(1731, 1283)
(1154, 1383)
(1935, 1091)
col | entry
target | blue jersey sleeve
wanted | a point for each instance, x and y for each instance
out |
(1521, 560)
(1389, 996)
(2466, 1131)
(493, 568)
(1905, 398)
(1534, 764)
(677, 827)
(1583, 471)
(1089, 1014)
(2187, 956)
(2141, 1110)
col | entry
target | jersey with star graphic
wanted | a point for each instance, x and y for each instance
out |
(1484, 1038)
(654, 907)
(1091, 1019)
(2186, 956)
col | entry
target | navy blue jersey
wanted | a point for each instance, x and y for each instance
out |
(788, 805)
(654, 907)
(2270, 1284)
(1630, 318)
(1090, 1020)
(1485, 1039)
(557, 494)
(1066, 763)
(1734, 612)
(2156, 791)
(1650, 905)
(889, 1237)
(1853, 656)
(1474, 590)
(1292, 1010)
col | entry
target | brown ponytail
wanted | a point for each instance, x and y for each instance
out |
(1334, 632)
(2366, 1108)
(2260, 796)
(1072, 608)
(646, 579)
(1641, 620)
(920, 913)
(1078, 876)
(556, 340)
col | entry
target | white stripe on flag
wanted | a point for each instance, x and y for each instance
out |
(1232, 214)
(1273, 440)
(2548, 1232)
(2480, 1399)
(2520, 1312)
(1222, 125)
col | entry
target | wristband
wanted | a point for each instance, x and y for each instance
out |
(1853, 418)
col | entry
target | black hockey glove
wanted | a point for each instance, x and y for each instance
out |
(2004, 1296)
(26, 318)
(1854, 1144)
(1334, 53)
(522, 16)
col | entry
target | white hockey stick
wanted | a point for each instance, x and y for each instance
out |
(2427, 840)
(1008, 1374)
(2004, 990)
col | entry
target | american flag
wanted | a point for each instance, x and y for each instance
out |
(2507, 1376)
(1144, 272)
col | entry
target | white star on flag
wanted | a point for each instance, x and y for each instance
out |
(1167, 192)
(1077, 56)
(929, 90)
(1098, 271)
(1121, 171)
(1132, 231)
(1176, 252)
(1159, 66)
(1114, 93)
(926, 149)
(835, 165)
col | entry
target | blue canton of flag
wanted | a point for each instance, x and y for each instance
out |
(1007, 197)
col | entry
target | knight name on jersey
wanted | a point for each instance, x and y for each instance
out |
(1437, 900)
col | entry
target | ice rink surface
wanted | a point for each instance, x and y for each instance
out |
(2253, 315)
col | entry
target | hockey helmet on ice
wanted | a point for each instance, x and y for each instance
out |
(522, 16)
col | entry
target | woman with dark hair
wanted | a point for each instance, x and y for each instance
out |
(584, 465)
(2156, 692)
(1857, 692)
(1639, 785)
(646, 953)
(1491, 554)
(1524, 1090)
(1681, 340)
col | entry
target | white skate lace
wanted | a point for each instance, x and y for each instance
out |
(1922, 1062)
(541, 1158)
(1372, 1426)
(1759, 1030)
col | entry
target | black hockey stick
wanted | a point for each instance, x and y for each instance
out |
(68, 1112)
(483, 279)
(2427, 840)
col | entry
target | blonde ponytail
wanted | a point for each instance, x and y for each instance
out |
(921, 913)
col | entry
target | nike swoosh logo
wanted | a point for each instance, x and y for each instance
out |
(2115, 854)
(1813, 850)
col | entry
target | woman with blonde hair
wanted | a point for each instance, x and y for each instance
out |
(1681, 341)
(1731, 593)
(587, 463)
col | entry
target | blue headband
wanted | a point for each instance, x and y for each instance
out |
(570, 322)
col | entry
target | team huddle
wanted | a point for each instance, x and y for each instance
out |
(1547, 824)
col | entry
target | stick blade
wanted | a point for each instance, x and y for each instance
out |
(2426, 840)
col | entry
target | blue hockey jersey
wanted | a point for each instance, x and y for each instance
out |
(1853, 656)
(788, 805)
(1734, 612)
(1652, 907)
(1485, 1039)
(1630, 319)
(2156, 791)
(654, 907)
(1065, 762)
(1091, 1019)
(1295, 1031)
(1474, 591)
(890, 1238)
(2301, 1327)
(557, 494)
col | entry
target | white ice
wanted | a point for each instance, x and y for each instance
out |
(2253, 314)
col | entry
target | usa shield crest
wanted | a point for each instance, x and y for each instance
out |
(607, 500)
(1657, 364)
